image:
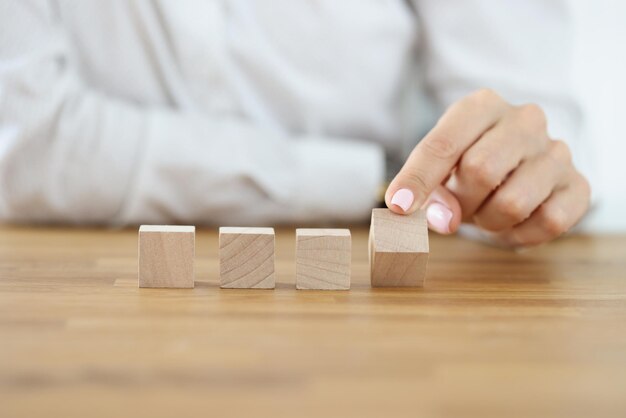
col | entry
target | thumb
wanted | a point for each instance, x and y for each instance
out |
(443, 211)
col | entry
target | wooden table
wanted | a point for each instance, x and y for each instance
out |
(494, 333)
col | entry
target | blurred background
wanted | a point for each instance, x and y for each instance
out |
(77, 141)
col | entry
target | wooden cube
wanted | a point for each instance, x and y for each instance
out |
(398, 248)
(166, 256)
(323, 258)
(247, 258)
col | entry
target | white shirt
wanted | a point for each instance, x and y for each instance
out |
(250, 112)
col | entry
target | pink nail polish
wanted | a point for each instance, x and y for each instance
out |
(439, 217)
(403, 198)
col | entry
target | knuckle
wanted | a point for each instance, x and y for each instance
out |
(418, 178)
(560, 151)
(553, 222)
(586, 188)
(532, 120)
(513, 207)
(485, 97)
(440, 147)
(478, 170)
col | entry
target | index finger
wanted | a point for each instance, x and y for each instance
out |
(432, 160)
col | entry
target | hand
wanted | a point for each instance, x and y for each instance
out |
(492, 164)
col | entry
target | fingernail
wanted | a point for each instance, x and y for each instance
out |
(439, 217)
(403, 198)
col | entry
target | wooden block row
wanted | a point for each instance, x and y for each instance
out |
(398, 252)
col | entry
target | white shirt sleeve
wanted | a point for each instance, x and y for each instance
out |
(70, 153)
(524, 50)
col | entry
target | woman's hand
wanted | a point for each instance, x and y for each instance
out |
(492, 164)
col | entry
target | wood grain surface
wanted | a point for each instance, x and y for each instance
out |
(540, 333)
(246, 258)
(323, 259)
